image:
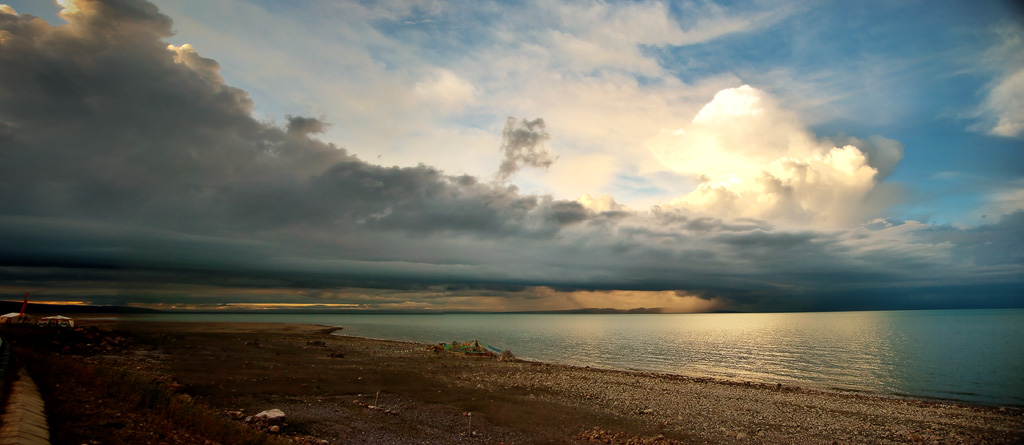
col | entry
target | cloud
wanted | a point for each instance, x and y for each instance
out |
(756, 159)
(611, 36)
(134, 173)
(523, 145)
(1003, 200)
(735, 135)
(603, 203)
(149, 133)
(1006, 102)
(305, 125)
(883, 154)
(208, 69)
(447, 92)
(435, 77)
(1002, 112)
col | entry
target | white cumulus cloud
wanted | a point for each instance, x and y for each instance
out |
(756, 159)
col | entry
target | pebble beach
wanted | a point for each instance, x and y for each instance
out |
(353, 390)
(329, 388)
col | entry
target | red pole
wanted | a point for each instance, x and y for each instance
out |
(22, 314)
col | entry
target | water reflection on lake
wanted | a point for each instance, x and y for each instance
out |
(971, 355)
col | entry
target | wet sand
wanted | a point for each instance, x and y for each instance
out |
(355, 390)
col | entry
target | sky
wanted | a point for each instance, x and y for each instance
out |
(513, 156)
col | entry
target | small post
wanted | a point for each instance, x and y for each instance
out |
(376, 398)
(470, 424)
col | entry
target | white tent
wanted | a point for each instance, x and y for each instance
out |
(14, 318)
(57, 320)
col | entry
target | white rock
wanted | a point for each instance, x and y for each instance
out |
(271, 416)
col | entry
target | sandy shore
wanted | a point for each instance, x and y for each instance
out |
(327, 385)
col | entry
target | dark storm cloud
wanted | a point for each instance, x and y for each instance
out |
(977, 244)
(126, 165)
(104, 121)
(305, 125)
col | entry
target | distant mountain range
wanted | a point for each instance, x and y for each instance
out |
(47, 309)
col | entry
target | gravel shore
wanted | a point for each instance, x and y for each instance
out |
(343, 389)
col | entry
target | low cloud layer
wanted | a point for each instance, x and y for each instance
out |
(132, 173)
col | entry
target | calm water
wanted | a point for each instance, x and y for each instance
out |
(970, 355)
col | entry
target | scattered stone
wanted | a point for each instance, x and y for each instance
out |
(318, 343)
(275, 429)
(598, 435)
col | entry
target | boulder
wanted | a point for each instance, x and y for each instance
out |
(270, 416)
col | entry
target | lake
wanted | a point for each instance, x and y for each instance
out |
(975, 356)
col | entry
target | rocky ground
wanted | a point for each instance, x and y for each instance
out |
(337, 389)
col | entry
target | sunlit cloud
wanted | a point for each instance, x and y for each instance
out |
(755, 159)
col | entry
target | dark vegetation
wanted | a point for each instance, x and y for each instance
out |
(92, 403)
